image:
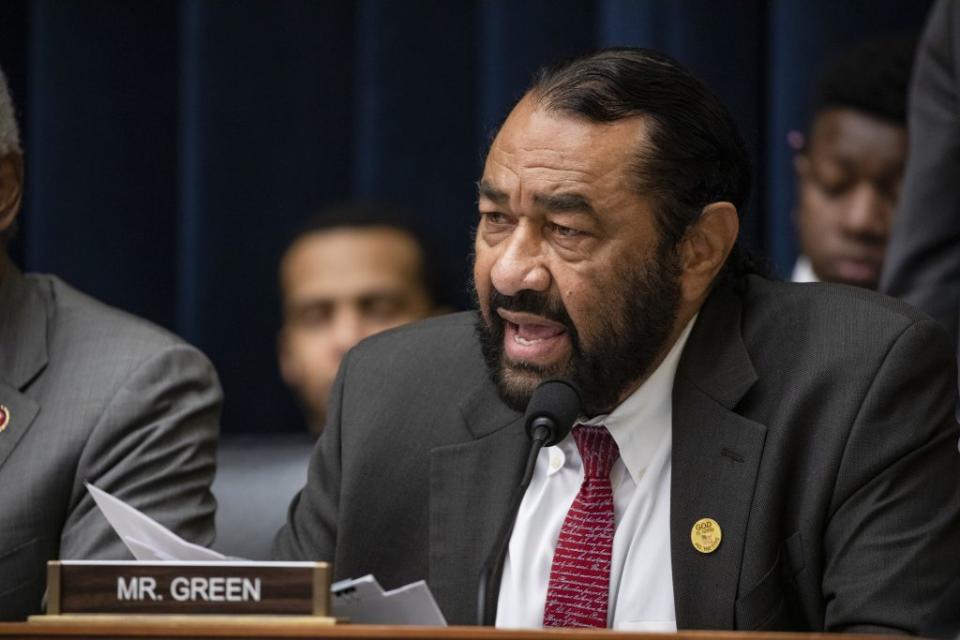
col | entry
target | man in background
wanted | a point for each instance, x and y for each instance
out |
(849, 173)
(88, 394)
(351, 272)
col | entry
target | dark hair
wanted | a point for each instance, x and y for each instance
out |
(356, 215)
(873, 77)
(695, 154)
(368, 215)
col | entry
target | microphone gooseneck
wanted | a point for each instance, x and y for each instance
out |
(550, 415)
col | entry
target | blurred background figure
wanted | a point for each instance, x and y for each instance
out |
(352, 271)
(924, 263)
(850, 170)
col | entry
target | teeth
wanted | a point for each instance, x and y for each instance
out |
(524, 341)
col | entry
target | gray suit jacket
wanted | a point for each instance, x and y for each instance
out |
(813, 422)
(94, 395)
(923, 260)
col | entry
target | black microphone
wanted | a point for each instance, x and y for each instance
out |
(552, 411)
(550, 415)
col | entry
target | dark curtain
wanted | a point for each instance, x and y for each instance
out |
(173, 147)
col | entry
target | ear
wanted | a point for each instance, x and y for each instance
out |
(11, 188)
(705, 248)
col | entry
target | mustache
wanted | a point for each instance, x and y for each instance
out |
(534, 302)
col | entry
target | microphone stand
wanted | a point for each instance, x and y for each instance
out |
(491, 573)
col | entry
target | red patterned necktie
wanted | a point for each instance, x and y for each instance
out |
(578, 592)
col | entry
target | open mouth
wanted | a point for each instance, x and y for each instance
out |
(533, 339)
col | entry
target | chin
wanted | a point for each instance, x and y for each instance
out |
(516, 381)
(516, 384)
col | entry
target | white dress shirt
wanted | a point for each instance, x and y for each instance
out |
(803, 271)
(641, 578)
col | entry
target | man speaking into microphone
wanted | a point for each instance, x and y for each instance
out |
(750, 454)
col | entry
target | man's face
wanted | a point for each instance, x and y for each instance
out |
(340, 286)
(11, 190)
(849, 182)
(570, 276)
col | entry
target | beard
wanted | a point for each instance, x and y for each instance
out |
(613, 349)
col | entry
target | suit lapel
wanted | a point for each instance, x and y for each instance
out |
(716, 455)
(23, 352)
(22, 411)
(470, 487)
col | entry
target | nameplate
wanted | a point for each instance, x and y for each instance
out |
(264, 588)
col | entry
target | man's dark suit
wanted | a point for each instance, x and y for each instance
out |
(923, 260)
(95, 395)
(812, 422)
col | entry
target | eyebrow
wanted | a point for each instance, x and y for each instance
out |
(558, 202)
(564, 203)
(488, 191)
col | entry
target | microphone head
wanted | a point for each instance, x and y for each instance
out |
(555, 404)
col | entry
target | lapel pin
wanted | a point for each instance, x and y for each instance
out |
(706, 535)
(4, 417)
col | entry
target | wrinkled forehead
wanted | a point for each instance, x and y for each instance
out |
(536, 143)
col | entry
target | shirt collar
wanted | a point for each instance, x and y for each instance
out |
(803, 271)
(640, 422)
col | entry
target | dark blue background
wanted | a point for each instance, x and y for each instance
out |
(173, 147)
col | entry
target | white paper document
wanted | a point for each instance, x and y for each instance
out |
(364, 601)
(146, 538)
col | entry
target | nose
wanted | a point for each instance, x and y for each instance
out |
(522, 265)
(347, 329)
(868, 214)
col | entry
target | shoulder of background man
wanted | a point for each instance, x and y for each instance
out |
(83, 328)
(110, 375)
(100, 396)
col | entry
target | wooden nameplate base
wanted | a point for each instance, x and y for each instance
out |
(107, 590)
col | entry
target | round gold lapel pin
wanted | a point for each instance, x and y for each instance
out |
(706, 535)
(4, 417)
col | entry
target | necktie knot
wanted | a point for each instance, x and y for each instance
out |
(598, 450)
